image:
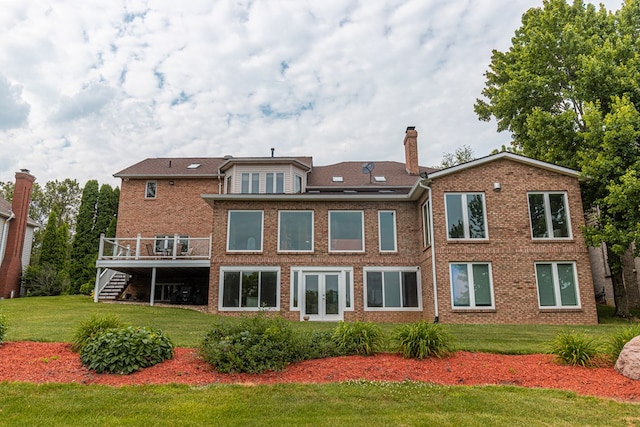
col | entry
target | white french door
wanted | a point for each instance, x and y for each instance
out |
(322, 294)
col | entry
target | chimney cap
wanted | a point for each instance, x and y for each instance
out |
(24, 170)
(410, 128)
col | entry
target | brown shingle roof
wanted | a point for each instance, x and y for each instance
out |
(178, 166)
(395, 175)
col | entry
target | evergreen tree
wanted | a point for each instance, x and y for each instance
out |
(84, 245)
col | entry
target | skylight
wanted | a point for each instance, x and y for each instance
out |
(380, 178)
(193, 166)
(337, 179)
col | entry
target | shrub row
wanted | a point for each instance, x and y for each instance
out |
(578, 348)
(105, 344)
(260, 343)
(3, 327)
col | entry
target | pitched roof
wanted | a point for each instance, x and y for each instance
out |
(5, 212)
(352, 174)
(173, 167)
(510, 156)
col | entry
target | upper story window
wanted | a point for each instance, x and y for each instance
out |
(471, 285)
(557, 285)
(387, 231)
(298, 184)
(549, 215)
(274, 182)
(295, 231)
(250, 183)
(466, 217)
(150, 190)
(346, 231)
(244, 232)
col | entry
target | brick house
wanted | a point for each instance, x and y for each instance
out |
(495, 240)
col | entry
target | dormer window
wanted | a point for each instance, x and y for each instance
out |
(274, 182)
(250, 183)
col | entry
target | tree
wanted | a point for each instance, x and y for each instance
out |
(566, 90)
(84, 241)
(462, 154)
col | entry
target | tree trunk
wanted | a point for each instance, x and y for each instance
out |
(619, 290)
(630, 278)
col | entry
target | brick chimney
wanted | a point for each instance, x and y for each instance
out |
(411, 151)
(11, 266)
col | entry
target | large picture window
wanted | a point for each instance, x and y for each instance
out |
(250, 183)
(387, 231)
(466, 217)
(346, 231)
(549, 215)
(471, 285)
(392, 289)
(248, 288)
(557, 286)
(245, 231)
(295, 231)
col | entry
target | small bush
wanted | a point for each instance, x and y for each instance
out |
(574, 348)
(87, 288)
(126, 350)
(44, 280)
(95, 325)
(255, 344)
(422, 339)
(615, 343)
(318, 345)
(362, 338)
(3, 327)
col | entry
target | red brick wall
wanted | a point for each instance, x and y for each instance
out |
(177, 208)
(409, 249)
(510, 248)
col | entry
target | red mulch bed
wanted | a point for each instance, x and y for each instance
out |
(38, 362)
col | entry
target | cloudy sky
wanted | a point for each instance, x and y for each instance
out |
(88, 88)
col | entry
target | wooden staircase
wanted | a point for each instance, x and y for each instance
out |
(114, 288)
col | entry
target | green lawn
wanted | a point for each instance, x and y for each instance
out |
(352, 403)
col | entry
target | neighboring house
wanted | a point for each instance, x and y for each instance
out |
(495, 240)
(16, 236)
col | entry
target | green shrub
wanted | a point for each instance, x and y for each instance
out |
(87, 288)
(318, 345)
(3, 327)
(363, 338)
(254, 344)
(616, 342)
(126, 350)
(574, 348)
(44, 280)
(422, 339)
(95, 325)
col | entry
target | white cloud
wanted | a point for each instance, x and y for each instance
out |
(89, 89)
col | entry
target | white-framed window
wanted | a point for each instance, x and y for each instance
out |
(274, 182)
(392, 288)
(297, 184)
(471, 285)
(346, 231)
(296, 280)
(295, 231)
(387, 231)
(466, 216)
(549, 215)
(249, 288)
(244, 231)
(151, 190)
(426, 224)
(557, 284)
(229, 186)
(250, 183)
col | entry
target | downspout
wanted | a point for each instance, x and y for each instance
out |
(5, 232)
(433, 249)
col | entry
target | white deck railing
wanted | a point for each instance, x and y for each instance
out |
(145, 248)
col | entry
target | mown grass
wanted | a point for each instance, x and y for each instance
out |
(56, 319)
(354, 403)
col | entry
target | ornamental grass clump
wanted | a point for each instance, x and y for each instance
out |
(617, 341)
(575, 348)
(360, 338)
(126, 349)
(254, 344)
(421, 339)
(93, 326)
(3, 327)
